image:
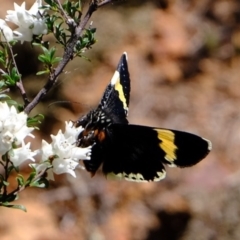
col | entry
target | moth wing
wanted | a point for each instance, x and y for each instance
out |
(138, 153)
(115, 100)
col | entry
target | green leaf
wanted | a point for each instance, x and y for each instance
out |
(52, 52)
(2, 84)
(6, 183)
(10, 168)
(10, 79)
(33, 121)
(52, 3)
(51, 21)
(4, 96)
(40, 183)
(45, 50)
(48, 56)
(43, 72)
(85, 42)
(56, 60)
(31, 176)
(2, 61)
(14, 74)
(20, 207)
(11, 102)
(20, 180)
(73, 9)
(43, 58)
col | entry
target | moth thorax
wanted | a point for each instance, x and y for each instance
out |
(102, 119)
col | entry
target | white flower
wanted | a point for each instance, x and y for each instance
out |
(39, 27)
(29, 22)
(7, 140)
(64, 145)
(70, 130)
(6, 31)
(13, 128)
(23, 34)
(64, 166)
(46, 150)
(21, 154)
(34, 10)
(82, 153)
(63, 152)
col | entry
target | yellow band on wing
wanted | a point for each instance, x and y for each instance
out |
(118, 87)
(167, 144)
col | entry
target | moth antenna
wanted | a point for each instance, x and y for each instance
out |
(57, 102)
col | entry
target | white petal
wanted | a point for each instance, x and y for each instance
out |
(7, 138)
(79, 153)
(4, 109)
(13, 125)
(64, 166)
(39, 27)
(35, 7)
(6, 31)
(46, 150)
(4, 147)
(19, 8)
(2, 23)
(22, 133)
(61, 146)
(23, 35)
(7, 34)
(50, 175)
(20, 155)
(70, 130)
(12, 17)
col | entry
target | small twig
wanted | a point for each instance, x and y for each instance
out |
(5, 179)
(5, 90)
(68, 19)
(19, 82)
(21, 188)
(100, 4)
(2, 71)
(67, 56)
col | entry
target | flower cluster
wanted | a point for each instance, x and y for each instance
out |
(13, 130)
(62, 155)
(29, 22)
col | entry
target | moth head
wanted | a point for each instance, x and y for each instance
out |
(85, 120)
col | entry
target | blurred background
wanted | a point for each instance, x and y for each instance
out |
(184, 61)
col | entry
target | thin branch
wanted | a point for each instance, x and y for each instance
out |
(67, 56)
(68, 19)
(104, 2)
(2, 71)
(21, 188)
(19, 82)
(61, 9)
(5, 178)
(4, 91)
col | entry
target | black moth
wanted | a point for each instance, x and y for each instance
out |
(133, 152)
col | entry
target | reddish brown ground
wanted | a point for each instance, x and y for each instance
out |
(184, 62)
